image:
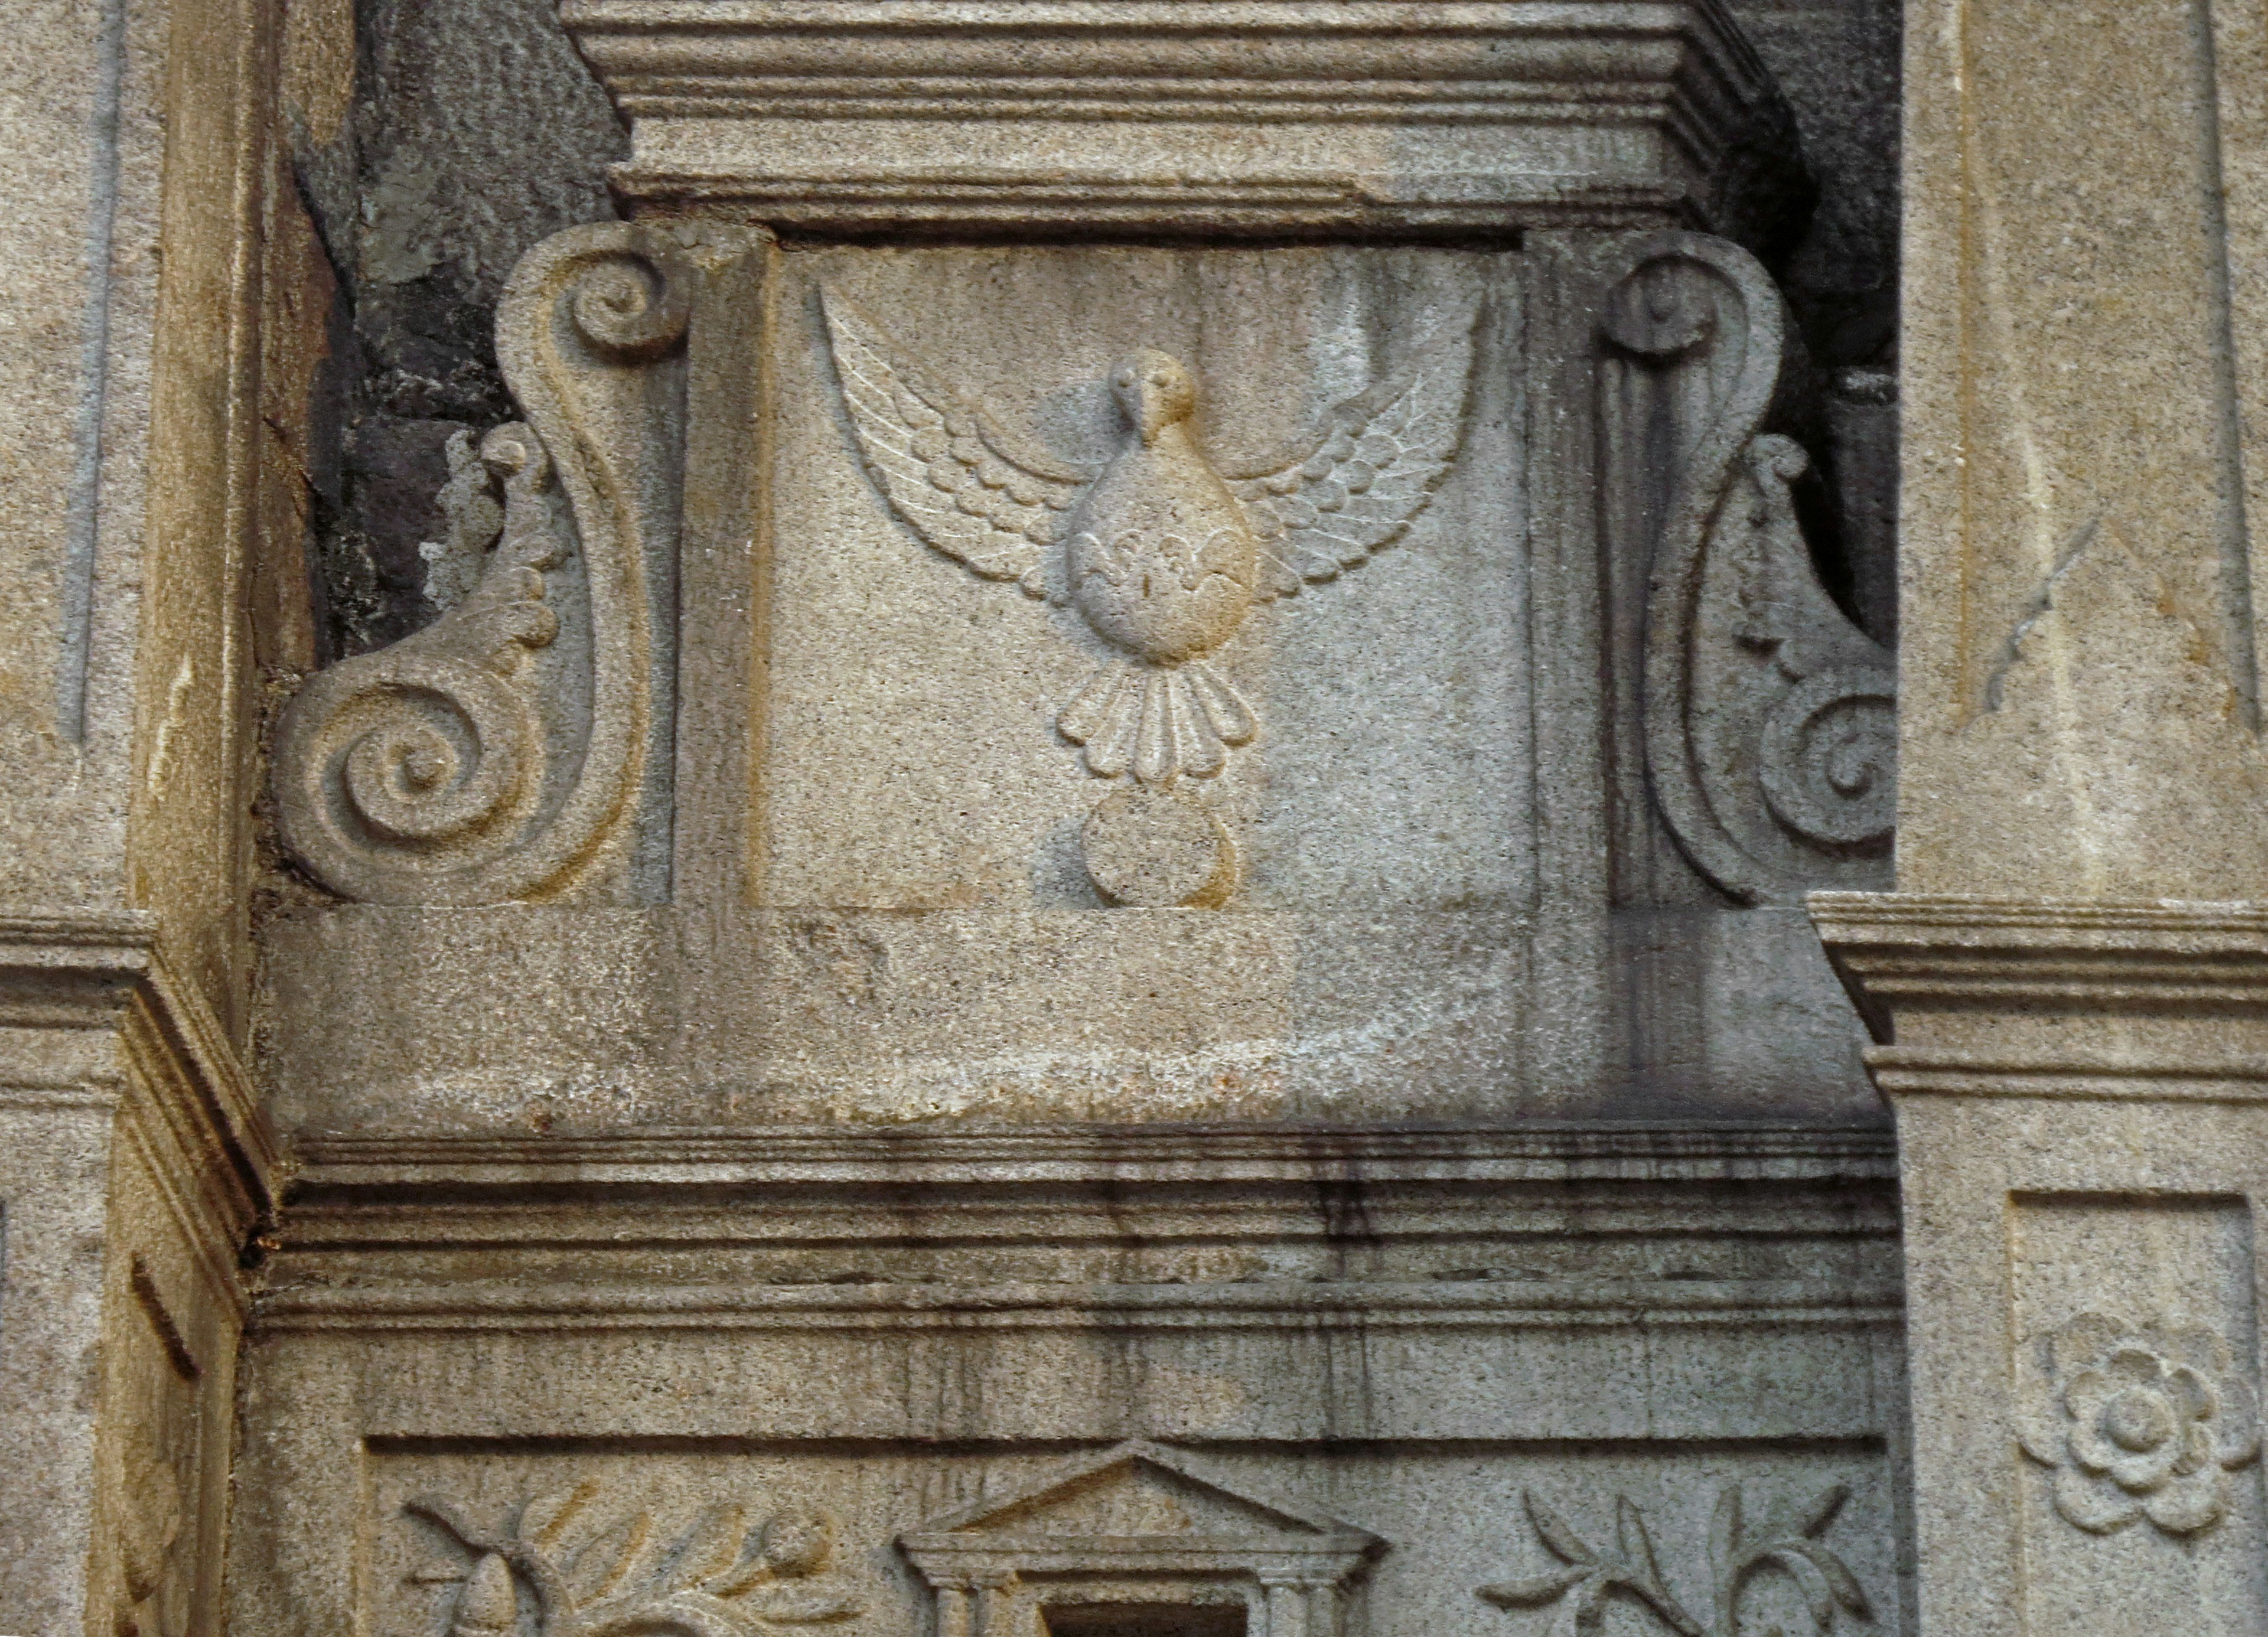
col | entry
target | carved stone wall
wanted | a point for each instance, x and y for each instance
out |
(1084, 919)
(1548, 814)
(1389, 1382)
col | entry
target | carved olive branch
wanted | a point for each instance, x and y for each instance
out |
(1788, 1543)
(596, 1574)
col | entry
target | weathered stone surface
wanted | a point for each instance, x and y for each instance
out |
(438, 143)
(136, 1166)
(2078, 461)
(131, 141)
(1034, 866)
(1206, 782)
(2075, 1053)
(1436, 1324)
(956, 658)
(1837, 65)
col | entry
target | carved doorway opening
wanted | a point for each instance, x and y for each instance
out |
(1136, 1542)
(1144, 1619)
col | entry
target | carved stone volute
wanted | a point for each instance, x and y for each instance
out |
(1769, 718)
(493, 755)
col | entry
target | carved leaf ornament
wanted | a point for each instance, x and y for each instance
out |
(1787, 1541)
(1162, 551)
(461, 766)
(1770, 722)
(591, 1571)
(2137, 1420)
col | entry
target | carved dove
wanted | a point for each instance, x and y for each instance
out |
(1160, 550)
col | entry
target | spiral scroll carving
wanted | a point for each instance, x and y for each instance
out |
(428, 755)
(481, 760)
(1770, 719)
(1831, 758)
(632, 306)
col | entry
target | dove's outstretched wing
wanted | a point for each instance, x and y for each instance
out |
(943, 463)
(1374, 465)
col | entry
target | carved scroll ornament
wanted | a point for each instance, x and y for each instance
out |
(491, 755)
(1770, 717)
(1161, 550)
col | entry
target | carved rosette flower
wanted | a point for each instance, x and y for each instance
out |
(2138, 1420)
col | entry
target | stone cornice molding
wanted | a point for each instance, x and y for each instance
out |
(68, 971)
(2033, 997)
(1149, 1156)
(86, 971)
(377, 1229)
(1301, 1306)
(1202, 116)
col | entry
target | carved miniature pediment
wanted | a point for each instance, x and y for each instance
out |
(1134, 1524)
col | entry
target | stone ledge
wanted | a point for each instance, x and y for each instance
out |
(512, 1304)
(1531, 1150)
(1381, 116)
(82, 973)
(73, 971)
(2027, 997)
(1260, 1228)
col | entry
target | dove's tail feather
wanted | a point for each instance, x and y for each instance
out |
(1158, 724)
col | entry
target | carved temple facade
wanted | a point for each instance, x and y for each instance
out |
(1155, 856)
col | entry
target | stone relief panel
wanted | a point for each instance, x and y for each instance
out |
(1284, 651)
(1270, 662)
(1220, 428)
(505, 751)
(2135, 1395)
(1161, 554)
(734, 1540)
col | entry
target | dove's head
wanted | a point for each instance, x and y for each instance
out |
(1155, 391)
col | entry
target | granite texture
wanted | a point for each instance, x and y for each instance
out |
(2065, 990)
(972, 818)
(437, 144)
(1087, 916)
(135, 1164)
(1077, 1373)
(1019, 745)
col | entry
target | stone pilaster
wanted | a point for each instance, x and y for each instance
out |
(2066, 987)
(133, 1166)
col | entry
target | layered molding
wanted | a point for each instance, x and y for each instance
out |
(1253, 1230)
(1988, 996)
(201, 1123)
(139, 1172)
(946, 1339)
(1197, 116)
(336, 1169)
